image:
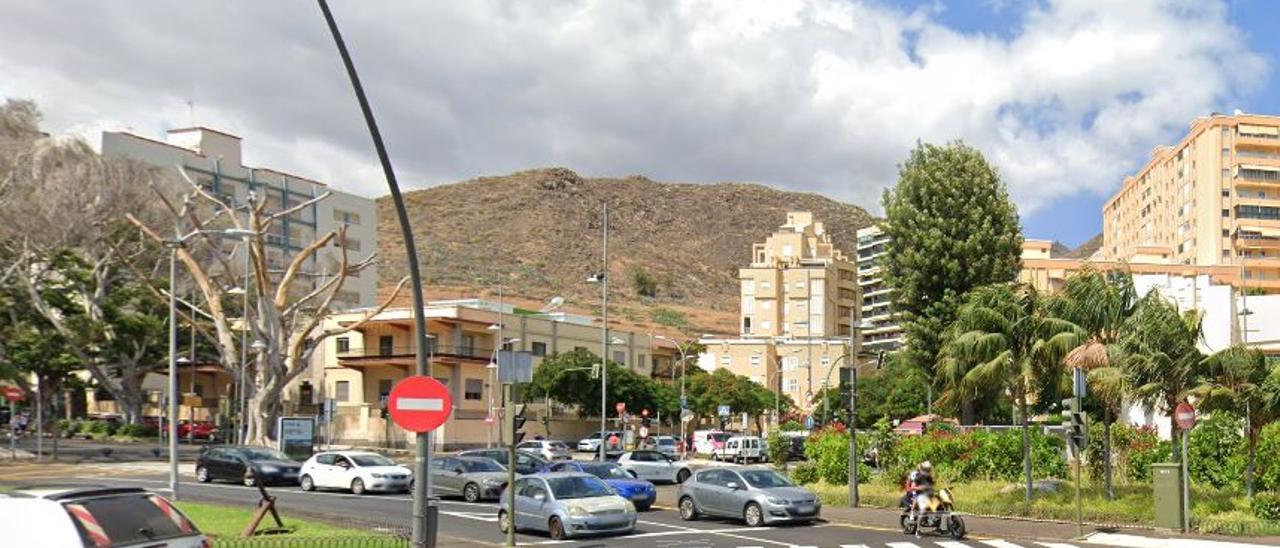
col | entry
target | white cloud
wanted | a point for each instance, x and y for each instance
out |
(822, 95)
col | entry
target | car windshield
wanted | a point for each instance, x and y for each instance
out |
(764, 479)
(594, 436)
(482, 465)
(578, 487)
(372, 460)
(666, 441)
(719, 436)
(258, 453)
(606, 471)
(559, 445)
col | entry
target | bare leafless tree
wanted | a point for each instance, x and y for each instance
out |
(288, 315)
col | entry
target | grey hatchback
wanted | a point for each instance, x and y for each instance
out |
(757, 496)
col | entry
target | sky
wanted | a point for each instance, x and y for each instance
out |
(1064, 97)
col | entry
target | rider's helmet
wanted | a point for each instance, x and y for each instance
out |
(926, 467)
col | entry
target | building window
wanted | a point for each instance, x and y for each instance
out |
(755, 361)
(1226, 193)
(384, 391)
(352, 244)
(1226, 213)
(725, 360)
(386, 345)
(346, 217)
(766, 286)
(1226, 233)
(343, 344)
(793, 385)
(539, 349)
(748, 305)
(800, 284)
(1226, 253)
(826, 362)
(620, 356)
(468, 345)
(474, 390)
(746, 325)
(342, 390)
(1257, 212)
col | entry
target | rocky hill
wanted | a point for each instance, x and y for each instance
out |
(674, 249)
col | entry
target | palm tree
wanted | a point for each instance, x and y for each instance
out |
(1100, 303)
(1006, 341)
(1239, 380)
(1161, 360)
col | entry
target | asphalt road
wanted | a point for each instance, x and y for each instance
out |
(468, 525)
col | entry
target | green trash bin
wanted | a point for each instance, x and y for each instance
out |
(1167, 491)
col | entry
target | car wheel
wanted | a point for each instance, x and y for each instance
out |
(471, 493)
(504, 521)
(202, 475)
(250, 480)
(753, 515)
(688, 510)
(357, 486)
(682, 475)
(307, 483)
(642, 507)
(555, 529)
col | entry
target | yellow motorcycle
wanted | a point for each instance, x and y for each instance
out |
(932, 510)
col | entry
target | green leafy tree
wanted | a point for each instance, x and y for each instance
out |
(721, 387)
(1100, 304)
(951, 228)
(1161, 361)
(568, 378)
(1006, 341)
(1239, 380)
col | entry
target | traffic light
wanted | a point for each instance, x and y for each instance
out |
(1075, 420)
(848, 377)
(517, 422)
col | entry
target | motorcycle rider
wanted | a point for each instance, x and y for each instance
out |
(918, 481)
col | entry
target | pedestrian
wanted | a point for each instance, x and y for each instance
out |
(614, 442)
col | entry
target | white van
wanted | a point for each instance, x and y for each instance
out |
(707, 442)
(743, 448)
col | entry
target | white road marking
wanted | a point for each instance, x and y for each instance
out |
(902, 545)
(997, 543)
(1056, 545)
(952, 544)
(474, 515)
(854, 546)
(420, 404)
(1135, 541)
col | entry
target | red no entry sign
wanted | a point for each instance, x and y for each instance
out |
(420, 404)
(13, 393)
(1185, 416)
(620, 407)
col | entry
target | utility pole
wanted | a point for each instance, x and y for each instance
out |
(425, 512)
(173, 363)
(604, 337)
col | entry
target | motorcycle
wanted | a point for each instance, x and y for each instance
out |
(932, 510)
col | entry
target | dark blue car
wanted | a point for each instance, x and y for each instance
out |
(639, 492)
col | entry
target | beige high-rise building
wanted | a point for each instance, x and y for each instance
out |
(1212, 199)
(876, 305)
(797, 298)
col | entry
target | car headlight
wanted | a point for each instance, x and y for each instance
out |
(492, 482)
(777, 501)
(377, 475)
(578, 512)
(631, 508)
(269, 469)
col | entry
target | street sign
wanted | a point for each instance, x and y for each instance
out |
(684, 402)
(744, 422)
(686, 415)
(515, 366)
(644, 412)
(420, 404)
(808, 422)
(13, 393)
(723, 410)
(620, 407)
(297, 436)
(1185, 416)
(644, 431)
(1079, 386)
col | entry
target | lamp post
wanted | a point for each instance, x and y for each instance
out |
(603, 279)
(684, 367)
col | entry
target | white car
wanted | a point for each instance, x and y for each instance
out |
(74, 517)
(591, 444)
(746, 448)
(551, 450)
(357, 471)
(654, 466)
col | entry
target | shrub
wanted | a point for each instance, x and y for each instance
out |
(804, 473)
(792, 426)
(1266, 506)
(779, 446)
(104, 427)
(1133, 450)
(64, 425)
(668, 317)
(1217, 452)
(828, 450)
(979, 455)
(644, 284)
(85, 426)
(137, 431)
(1268, 458)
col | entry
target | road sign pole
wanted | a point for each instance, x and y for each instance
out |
(853, 438)
(509, 395)
(13, 437)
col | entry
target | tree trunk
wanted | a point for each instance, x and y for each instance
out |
(1106, 453)
(1252, 436)
(967, 412)
(131, 398)
(1026, 444)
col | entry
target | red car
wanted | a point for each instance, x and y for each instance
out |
(202, 430)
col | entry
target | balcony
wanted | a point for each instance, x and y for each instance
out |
(400, 355)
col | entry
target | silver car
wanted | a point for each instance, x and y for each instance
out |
(757, 496)
(551, 450)
(472, 478)
(567, 504)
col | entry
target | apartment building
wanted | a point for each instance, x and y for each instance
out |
(213, 160)
(359, 368)
(1211, 199)
(876, 305)
(799, 300)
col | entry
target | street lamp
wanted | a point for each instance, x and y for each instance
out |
(684, 368)
(602, 278)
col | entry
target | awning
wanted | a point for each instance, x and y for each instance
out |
(1250, 129)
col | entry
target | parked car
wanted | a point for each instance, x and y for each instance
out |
(202, 430)
(921, 424)
(757, 496)
(795, 450)
(591, 443)
(747, 448)
(640, 492)
(566, 505)
(547, 449)
(247, 465)
(667, 445)
(526, 463)
(654, 466)
(358, 471)
(78, 516)
(472, 478)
